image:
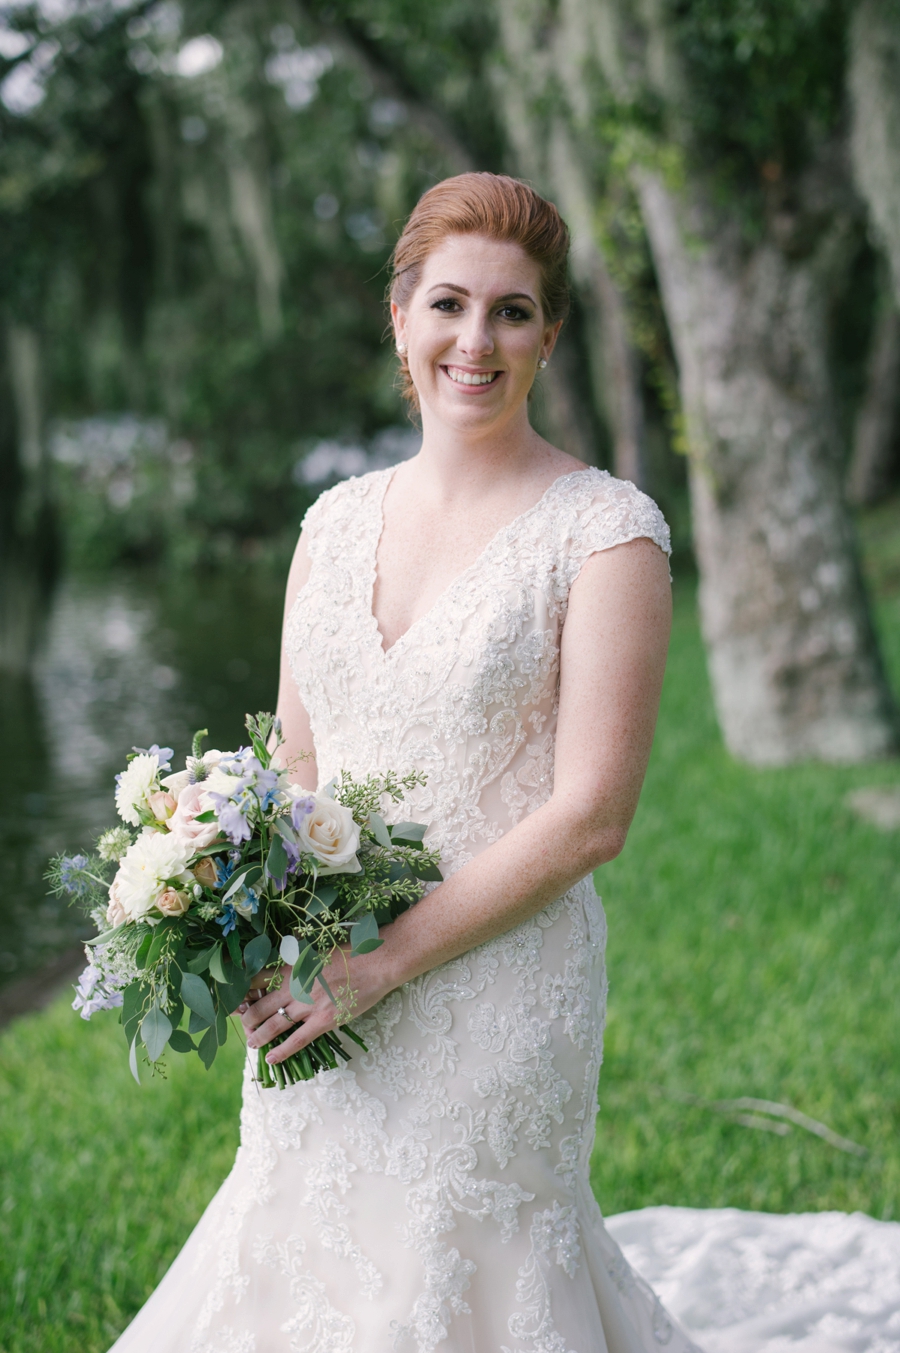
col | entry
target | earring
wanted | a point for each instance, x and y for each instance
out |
(401, 349)
(542, 363)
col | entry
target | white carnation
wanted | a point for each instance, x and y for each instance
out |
(155, 860)
(136, 783)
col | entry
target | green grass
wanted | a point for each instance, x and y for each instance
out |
(754, 942)
(100, 1182)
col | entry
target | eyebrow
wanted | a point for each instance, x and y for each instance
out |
(451, 286)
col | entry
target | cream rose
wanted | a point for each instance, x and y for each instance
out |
(173, 902)
(161, 805)
(330, 835)
(183, 824)
(205, 872)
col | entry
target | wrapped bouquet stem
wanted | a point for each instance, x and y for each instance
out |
(222, 873)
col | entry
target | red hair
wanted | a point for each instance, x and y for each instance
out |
(494, 205)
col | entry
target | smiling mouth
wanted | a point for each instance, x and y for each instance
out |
(460, 377)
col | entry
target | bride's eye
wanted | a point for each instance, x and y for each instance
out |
(514, 312)
(446, 304)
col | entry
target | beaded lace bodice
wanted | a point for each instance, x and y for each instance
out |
(468, 693)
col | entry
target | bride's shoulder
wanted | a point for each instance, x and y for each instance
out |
(339, 505)
(600, 511)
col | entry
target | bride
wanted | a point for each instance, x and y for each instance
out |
(494, 614)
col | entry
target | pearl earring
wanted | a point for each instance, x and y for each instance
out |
(542, 363)
(401, 349)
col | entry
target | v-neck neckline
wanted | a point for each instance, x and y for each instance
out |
(470, 568)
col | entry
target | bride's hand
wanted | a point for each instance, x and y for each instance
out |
(358, 983)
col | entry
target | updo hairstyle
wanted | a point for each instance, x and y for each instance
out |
(494, 205)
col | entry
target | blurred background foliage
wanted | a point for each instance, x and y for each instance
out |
(197, 202)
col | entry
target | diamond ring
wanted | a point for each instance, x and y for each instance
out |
(283, 1013)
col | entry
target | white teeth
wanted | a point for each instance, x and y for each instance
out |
(465, 378)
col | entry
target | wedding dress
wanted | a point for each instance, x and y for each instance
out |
(433, 1196)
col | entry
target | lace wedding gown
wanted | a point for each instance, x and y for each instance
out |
(433, 1196)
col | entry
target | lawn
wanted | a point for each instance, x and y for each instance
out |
(754, 941)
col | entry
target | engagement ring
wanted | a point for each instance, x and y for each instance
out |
(283, 1013)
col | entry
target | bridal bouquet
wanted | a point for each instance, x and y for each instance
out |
(230, 870)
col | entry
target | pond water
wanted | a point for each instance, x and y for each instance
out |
(127, 659)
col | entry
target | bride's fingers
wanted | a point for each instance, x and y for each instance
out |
(278, 1023)
(319, 1022)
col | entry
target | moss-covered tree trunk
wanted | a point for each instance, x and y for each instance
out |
(27, 526)
(549, 150)
(792, 655)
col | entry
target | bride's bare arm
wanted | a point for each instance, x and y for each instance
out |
(298, 743)
(613, 655)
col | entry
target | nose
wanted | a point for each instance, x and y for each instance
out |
(474, 338)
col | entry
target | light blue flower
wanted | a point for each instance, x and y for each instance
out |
(163, 755)
(228, 919)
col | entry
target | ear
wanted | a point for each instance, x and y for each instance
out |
(551, 334)
(398, 323)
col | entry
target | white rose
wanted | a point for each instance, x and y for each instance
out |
(330, 834)
(154, 861)
(136, 783)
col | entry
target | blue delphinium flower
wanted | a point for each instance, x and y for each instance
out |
(300, 809)
(163, 755)
(233, 811)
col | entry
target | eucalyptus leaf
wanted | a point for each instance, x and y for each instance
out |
(155, 1030)
(277, 862)
(216, 967)
(376, 825)
(208, 1047)
(179, 1041)
(407, 833)
(429, 873)
(290, 949)
(304, 973)
(107, 935)
(285, 830)
(364, 935)
(196, 1023)
(200, 963)
(221, 1025)
(132, 1059)
(256, 953)
(195, 994)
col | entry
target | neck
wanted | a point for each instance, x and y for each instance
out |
(456, 463)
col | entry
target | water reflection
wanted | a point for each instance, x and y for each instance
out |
(126, 659)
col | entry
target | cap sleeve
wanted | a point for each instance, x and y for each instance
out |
(605, 512)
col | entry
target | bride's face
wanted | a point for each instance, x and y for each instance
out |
(475, 331)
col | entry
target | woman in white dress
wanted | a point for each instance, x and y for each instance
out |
(494, 614)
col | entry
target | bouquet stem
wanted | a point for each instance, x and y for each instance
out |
(320, 1055)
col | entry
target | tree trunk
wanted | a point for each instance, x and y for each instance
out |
(793, 660)
(874, 80)
(537, 57)
(876, 426)
(27, 526)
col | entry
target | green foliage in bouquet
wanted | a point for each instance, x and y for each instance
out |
(235, 872)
